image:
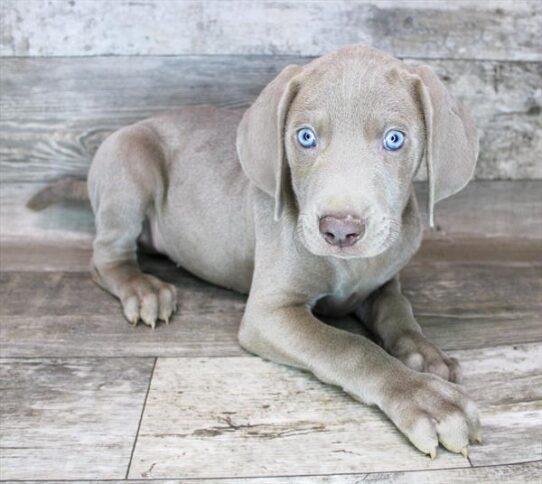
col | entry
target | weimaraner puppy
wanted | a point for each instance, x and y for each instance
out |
(305, 203)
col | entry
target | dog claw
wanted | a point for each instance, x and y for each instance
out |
(149, 321)
(477, 437)
(149, 300)
(433, 454)
(465, 452)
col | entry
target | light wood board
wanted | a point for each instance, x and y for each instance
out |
(484, 209)
(464, 295)
(235, 417)
(56, 111)
(70, 419)
(417, 28)
(524, 473)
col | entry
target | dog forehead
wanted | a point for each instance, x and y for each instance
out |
(360, 81)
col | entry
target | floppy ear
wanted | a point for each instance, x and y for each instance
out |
(260, 136)
(451, 140)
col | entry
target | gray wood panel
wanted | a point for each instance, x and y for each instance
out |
(68, 224)
(242, 417)
(509, 209)
(524, 473)
(67, 314)
(18, 255)
(70, 419)
(56, 111)
(416, 28)
(486, 209)
(465, 296)
(262, 417)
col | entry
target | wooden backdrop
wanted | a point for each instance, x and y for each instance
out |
(73, 71)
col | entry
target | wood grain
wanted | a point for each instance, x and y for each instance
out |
(415, 28)
(240, 417)
(68, 224)
(524, 473)
(487, 209)
(19, 255)
(54, 313)
(70, 419)
(508, 388)
(263, 416)
(484, 209)
(56, 111)
(513, 434)
(462, 299)
(16, 255)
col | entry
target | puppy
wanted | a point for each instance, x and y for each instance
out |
(305, 203)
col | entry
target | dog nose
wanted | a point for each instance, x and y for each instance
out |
(342, 230)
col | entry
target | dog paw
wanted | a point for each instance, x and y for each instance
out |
(429, 411)
(419, 354)
(148, 299)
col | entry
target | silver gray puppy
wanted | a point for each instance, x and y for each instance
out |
(313, 213)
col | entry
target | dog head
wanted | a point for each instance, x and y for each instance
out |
(344, 136)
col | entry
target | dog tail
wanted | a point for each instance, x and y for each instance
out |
(65, 189)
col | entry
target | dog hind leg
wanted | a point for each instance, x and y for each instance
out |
(127, 181)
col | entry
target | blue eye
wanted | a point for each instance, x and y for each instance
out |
(393, 139)
(306, 138)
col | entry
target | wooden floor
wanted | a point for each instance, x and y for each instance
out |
(87, 397)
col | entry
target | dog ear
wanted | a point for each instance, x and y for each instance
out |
(260, 136)
(451, 139)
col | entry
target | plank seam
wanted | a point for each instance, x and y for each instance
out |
(141, 418)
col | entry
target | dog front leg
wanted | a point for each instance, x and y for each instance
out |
(388, 314)
(427, 409)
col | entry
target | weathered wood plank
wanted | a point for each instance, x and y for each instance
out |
(508, 387)
(505, 375)
(416, 28)
(487, 209)
(463, 289)
(484, 209)
(263, 416)
(463, 299)
(20, 255)
(56, 111)
(513, 433)
(524, 473)
(70, 419)
(195, 333)
(71, 224)
(67, 314)
(240, 417)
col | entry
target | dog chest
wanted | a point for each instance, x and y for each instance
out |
(350, 282)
